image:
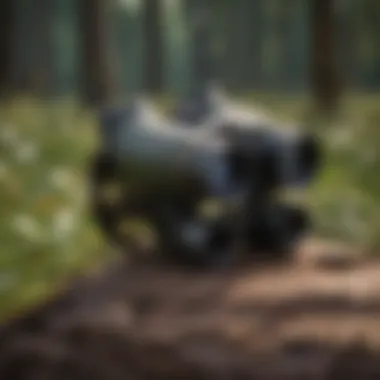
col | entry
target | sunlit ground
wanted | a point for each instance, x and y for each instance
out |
(47, 234)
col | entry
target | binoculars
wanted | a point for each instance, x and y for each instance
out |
(214, 152)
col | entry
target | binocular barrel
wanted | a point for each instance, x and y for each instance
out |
(221, 157)
(154, 152)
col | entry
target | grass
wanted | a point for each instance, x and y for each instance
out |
(47, 234)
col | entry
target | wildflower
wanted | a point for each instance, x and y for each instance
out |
(27, 226)
(61, 178)
(27, 151)
(342, 137)
(63, 224)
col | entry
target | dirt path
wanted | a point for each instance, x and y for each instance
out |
(139, 322)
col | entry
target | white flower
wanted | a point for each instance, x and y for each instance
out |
(27, 151)
(26, 226)
(61, 178)
(9, 135)
(63, 224)
(341, 137)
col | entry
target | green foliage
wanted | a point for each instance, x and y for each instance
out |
(345, 199)
(45, 230)
(47, 234)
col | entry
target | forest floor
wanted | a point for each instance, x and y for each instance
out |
(315, 318)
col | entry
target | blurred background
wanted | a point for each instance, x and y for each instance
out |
(316, 62)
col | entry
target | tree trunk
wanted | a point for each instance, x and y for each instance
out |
(232, 61)
(6, 33)
(325, 82)
(97, 86)
(372, 31)
(153, 40)
(255, 40)
(201, 53)
(284, 20)
(28, 52)
(44, 75)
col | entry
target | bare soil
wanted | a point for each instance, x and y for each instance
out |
(315, 318)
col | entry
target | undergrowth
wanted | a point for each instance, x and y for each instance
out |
(46, 231)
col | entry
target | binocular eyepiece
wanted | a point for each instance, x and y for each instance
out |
(271, 160)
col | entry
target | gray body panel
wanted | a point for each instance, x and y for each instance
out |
(151, 151)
